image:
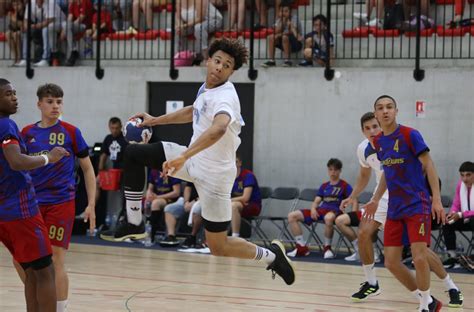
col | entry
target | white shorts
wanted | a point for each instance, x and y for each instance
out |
(213, 189)
(381, 213)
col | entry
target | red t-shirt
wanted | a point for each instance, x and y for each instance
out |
(82, 7)
(106, 18)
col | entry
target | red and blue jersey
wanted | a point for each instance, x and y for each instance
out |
(55, 183)
(246, 178)
(17, 195)
(332, 195)
(407, 188)
(162, 185)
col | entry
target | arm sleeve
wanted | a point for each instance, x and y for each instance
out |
(225, 106)
(418, 144)
(81, 148)
(250, 180)
(8, 131)
(320, 192)
(361, 157)
(347, 191)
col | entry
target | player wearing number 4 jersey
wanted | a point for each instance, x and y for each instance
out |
(404, 156)
(368, 161)
(55, 183)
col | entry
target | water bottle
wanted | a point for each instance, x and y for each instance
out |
(459, 249)
(147, 242)
(147, 210)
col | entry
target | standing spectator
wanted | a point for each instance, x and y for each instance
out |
(246, 197)
(105, 27)
(325, 207)
(79, 19)
(161, 192)
(176, 210)
(46, 16)
(15, 28)
(198, 17)
(316, 43)
(287, 36)
(461, 215)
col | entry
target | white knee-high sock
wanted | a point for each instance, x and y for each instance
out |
(449, 283)
(61, 306)
(264, 254)
(369, 272)
(134, 207)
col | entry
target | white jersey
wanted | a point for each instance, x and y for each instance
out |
(220, 157)
(368, 159)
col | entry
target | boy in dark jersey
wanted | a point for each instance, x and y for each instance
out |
(55, 184)
(22, 229)
(404, 154)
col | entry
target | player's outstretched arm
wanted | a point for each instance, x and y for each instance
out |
(184, 115)
(437, 209)
(362, 180)
(89, 179)
(18, 161)
(207, 139)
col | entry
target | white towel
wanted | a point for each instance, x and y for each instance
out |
(463, 194)
(195, 209)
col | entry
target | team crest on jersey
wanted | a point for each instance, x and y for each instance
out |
(32, 140)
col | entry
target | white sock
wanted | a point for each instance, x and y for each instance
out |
(369, 271)
(356, 245)
(300, 240)
(235, 234)
(452, 253)
(134, 207)
(327, 241)
(416, 294)
(61, 306)
(425, 299)
(263, 254)
(449, 284)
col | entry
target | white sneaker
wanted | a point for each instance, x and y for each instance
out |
(360, 15)
(292, 253)
(21, 63)
(328, 254)
(353, 257)
(375, 22)
(376, 255)
(42, 63)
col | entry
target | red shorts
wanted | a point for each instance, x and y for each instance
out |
(251, 210)
(26, 239)
(59, 220)
(418, 229)
(321, 213)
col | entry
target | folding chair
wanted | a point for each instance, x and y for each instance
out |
(305, 200)
(364, 197)
(470, 241)
(265, 193)
(437, 232)
(282, 201)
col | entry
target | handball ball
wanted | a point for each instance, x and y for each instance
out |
(134, 134)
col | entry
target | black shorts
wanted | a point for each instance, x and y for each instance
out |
(295, 44)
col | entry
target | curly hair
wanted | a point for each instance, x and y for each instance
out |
(233, 47)
(49, 89)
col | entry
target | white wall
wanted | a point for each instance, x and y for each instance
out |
(301, 120)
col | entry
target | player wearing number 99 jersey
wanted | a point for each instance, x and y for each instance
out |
(55, 184)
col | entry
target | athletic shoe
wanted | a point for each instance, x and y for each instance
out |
(21, 63)
(455, 298)
(125, 231)
(281, 265)
(170, 241)
(42, 63)
(435, 305)
(299, 251)
(451, 263)
(189, 242)
(328, 254)
(287, 63)
(353, 257)
(366, 290)
(305, 63)
(269, 64)
(360, 15)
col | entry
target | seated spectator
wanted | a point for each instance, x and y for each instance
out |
(105, 27)
(47, 17)
(79, 19)
(287, 36)
(459, 6)
(145, 6)
(195, 221)
(409, 11)
(121, 11)
(461, 215)
(246, 198)
(176, 210)
(161, 192)
(377, 21)
(236, 11)
(15, 28)
(262, 9)
(315, 43)
(198, 17)
(325, 207)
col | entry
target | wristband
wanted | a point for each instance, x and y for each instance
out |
(46, 159)
(460, 214)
